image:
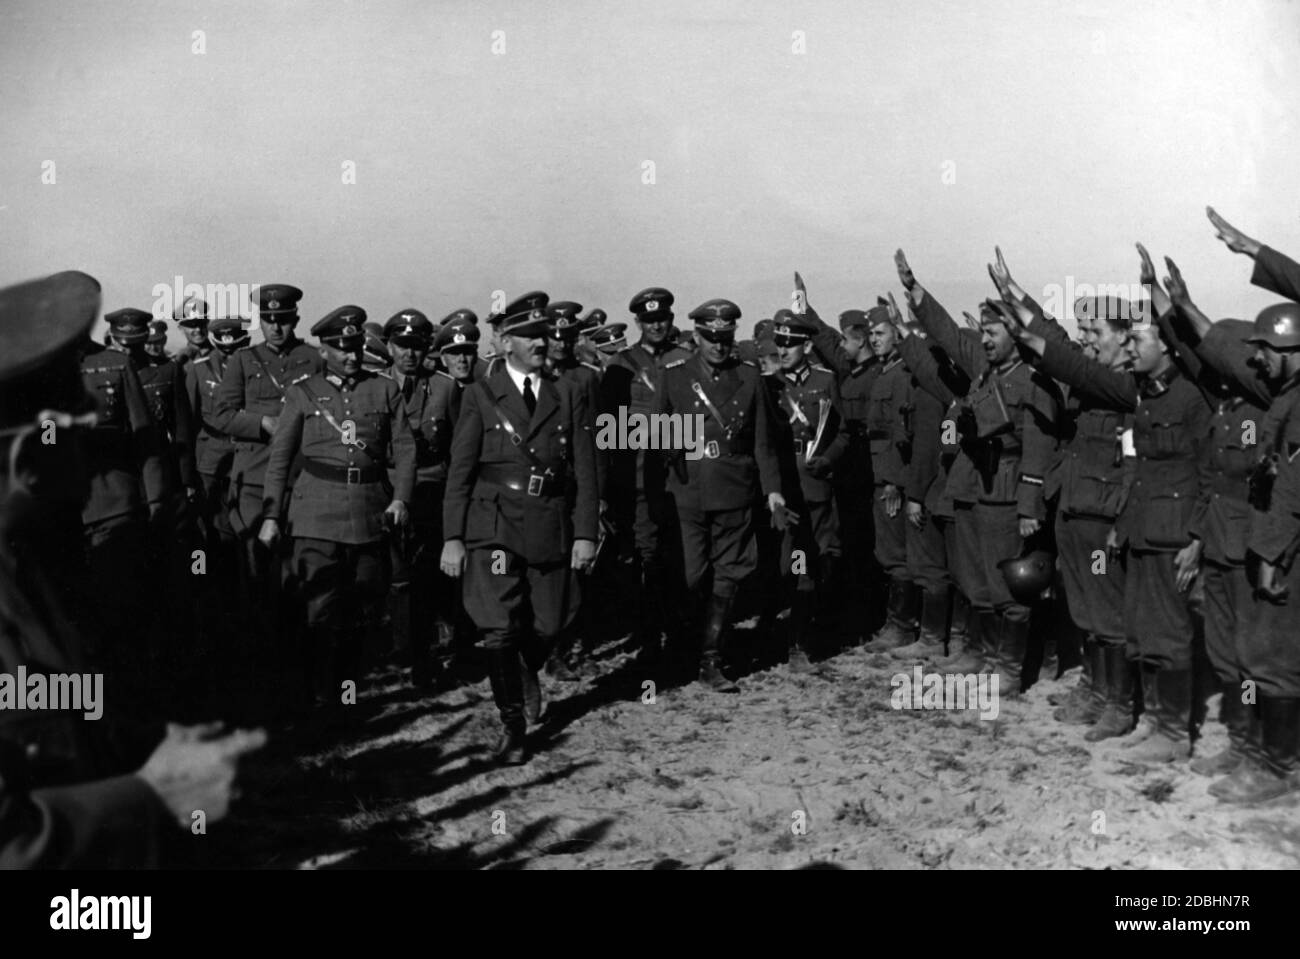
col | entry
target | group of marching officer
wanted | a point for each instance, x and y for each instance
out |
(953, 493)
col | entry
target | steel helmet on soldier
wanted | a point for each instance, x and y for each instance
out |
(1278, 326)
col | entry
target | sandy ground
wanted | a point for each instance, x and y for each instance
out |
(794, 770)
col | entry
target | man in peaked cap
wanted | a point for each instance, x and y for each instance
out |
(713, 495)
(129, 483)
(848, 355)
(249, 403)
(156, 343)
(811, 426)
(608, 339)
(585, 349)
(214, 453)
(461, 315)
(192, 316)
(175, 532)
(564, 329)
(642, 514)
(65, 801)
(424, 603)
(521, 516)
(347, 424)
(535, 300)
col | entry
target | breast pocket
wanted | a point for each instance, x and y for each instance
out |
(1168, 438)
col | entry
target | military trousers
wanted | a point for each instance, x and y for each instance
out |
(1094, 582)
(998, 526)
(1269, 637)
(891, 534)
(967, 559)
(1157, 617)
(342, 585)
(721, 542)
(510, 599)
(1226, 608)
(815, 536)
(927, 553)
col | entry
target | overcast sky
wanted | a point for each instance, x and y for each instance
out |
(1063, 131)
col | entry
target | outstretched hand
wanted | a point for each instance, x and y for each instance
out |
(1232, 238)
(1175, 285)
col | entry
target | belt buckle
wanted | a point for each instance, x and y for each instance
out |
(535, 482)
(354, 475)
(711, 449)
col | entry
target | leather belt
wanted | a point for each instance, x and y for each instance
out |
(343, 474)
(522, 480)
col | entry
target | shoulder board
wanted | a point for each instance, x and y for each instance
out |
(674, 364)
(384, 373)
(591, 366)
(201, 359)
(820, 369)
(750, 363)
(444, 373)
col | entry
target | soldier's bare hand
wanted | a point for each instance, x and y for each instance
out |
(1028, 527)
(800, 298)
(971, 322)
(191, 771)
(915, 514)
(269, 423)
(1147, 276)
(905, 274)
(1234, 239)
(1175, 284)
(896, 318)
(892, 497)
(452, 561)
(397, 513)
(269, 534)
(1187, 563)
(583, 555)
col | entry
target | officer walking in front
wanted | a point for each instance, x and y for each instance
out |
(809, 421)
(636, 481)
(714, 496)
(520, 515)
(350, 427)
(248, 407)
(192, 316)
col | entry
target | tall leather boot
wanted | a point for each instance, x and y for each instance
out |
(981, 636)
(1116, 718)
(508, 693)
(824, 606)
(715, 623)
(1252, 782)
(800, 623)
(1082, 689)
(934, 628)
(960, 628)
(1086, 702)
(562, 654)
(1171, 739)
(1239, 718)
(1008, 662)
(898, 630)
(650, 629)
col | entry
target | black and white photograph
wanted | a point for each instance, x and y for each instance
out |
(692, 435)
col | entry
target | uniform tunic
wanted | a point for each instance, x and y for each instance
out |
(806, 400)
(519, 530)
(348, 432)
(714, 496)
